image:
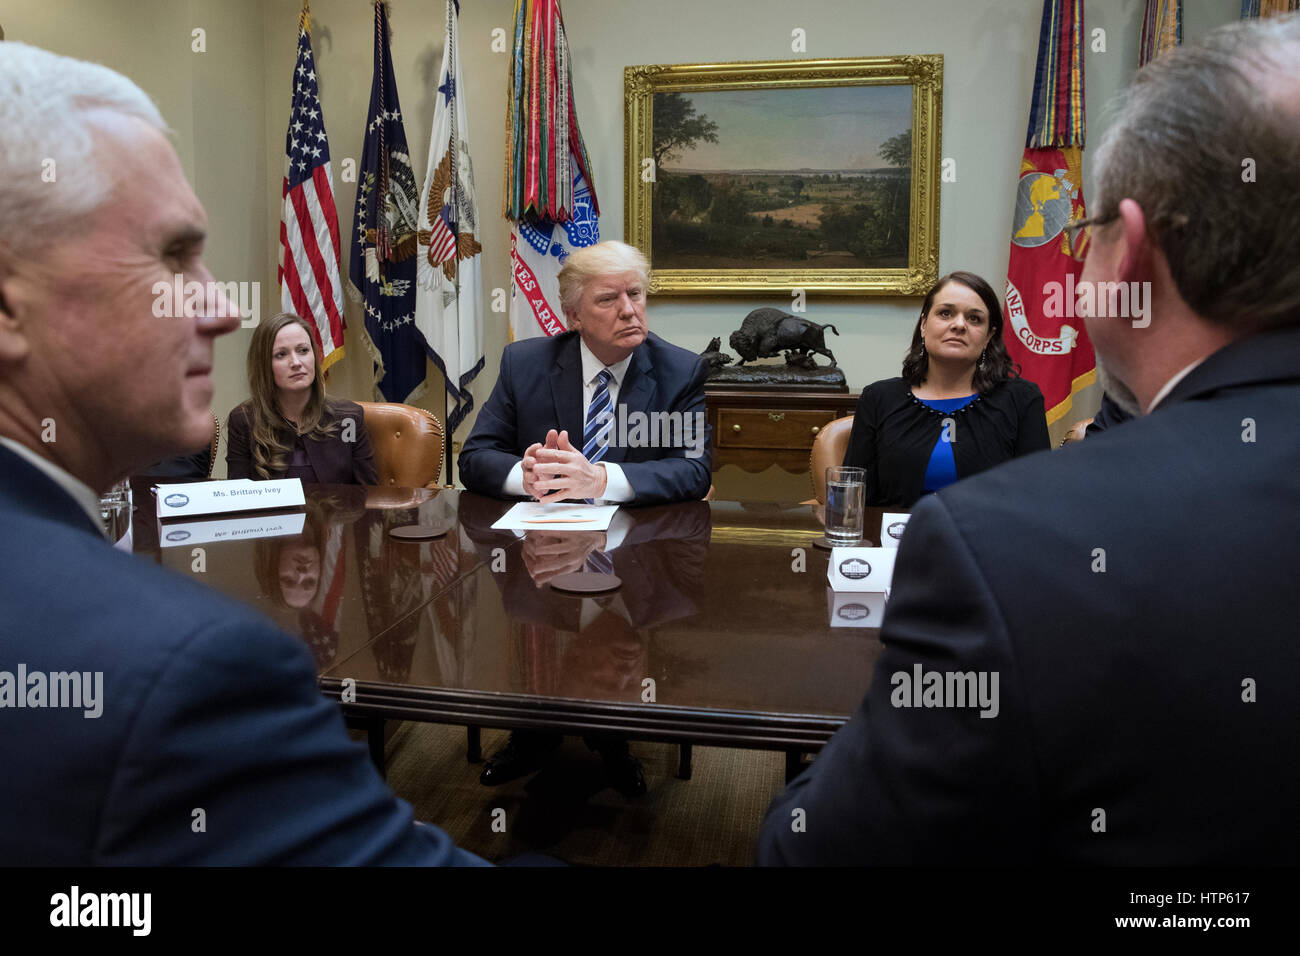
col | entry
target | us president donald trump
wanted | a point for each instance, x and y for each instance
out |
(554, 429)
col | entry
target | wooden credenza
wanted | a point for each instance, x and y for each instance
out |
(758, 428)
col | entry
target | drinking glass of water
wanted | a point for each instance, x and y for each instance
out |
(115, 510)
(846, 490)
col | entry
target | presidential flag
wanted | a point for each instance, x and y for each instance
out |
(1044, 333)
(309, 272)
(549, 195)
(449, 290)
(383, 262)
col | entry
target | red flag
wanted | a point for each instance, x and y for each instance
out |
(1044, 336)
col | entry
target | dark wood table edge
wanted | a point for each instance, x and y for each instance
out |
(375, 704)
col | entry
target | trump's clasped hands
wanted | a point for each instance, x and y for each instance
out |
(556, 471)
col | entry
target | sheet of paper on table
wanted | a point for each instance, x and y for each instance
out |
(559, 516)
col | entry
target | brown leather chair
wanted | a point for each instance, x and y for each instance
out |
(828, 449)
(407, 443)
(1076, 432)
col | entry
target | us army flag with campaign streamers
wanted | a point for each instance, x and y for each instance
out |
(449, 281)
(549, 194)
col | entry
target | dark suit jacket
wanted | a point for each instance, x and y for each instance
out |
(1121, 691)
(206, 706)
(540, 388)
(335, 461)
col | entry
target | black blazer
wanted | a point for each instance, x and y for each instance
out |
(1162, 692)
(1108, 416)
(335, 461)
(540, 388)
(203, 703)
(894, 435)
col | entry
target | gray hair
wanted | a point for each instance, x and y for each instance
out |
(1193, 122)
(44, 99)
(604, 258)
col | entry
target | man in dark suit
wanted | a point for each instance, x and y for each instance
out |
(1091, 656)
(607, 412)
(599, 381)
(144, 718)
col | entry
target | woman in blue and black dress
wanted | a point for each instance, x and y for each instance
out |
(959, 407)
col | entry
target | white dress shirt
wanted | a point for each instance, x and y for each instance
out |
(1169, 385)
(78, 490)
(617, 488)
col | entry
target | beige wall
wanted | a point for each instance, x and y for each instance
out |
(229, 107)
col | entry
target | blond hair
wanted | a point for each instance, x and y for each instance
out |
(604, 258)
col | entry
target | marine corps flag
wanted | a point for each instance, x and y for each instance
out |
(382, 265)
(449, 292)
(1046, 337)
(548, 191)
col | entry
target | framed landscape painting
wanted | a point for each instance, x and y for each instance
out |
(767, 177)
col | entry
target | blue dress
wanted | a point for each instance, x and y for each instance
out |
(942, 469)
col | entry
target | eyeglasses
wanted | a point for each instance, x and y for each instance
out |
(1079, 240)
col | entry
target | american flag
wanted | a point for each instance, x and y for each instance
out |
(442, 240)
(310, 286)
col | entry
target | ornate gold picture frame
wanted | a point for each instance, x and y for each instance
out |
(778, 175)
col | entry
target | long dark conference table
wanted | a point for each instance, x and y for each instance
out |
(723, 632)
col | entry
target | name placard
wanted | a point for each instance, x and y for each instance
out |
(221, 497)
(185, 533)
(848, 609)
(892, 526)
(861, 569)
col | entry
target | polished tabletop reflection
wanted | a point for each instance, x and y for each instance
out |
(723, 630)
(341, 581)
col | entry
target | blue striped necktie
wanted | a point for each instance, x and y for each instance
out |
(599, 562)
(600, 419)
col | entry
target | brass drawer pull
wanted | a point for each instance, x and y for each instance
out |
(735, 428)
(776, 416)
(816, 429)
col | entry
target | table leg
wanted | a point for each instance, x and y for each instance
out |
(474, 744)
(376, 738)
(793, 764)
(684, 762)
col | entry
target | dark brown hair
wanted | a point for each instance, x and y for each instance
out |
(998, 366)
